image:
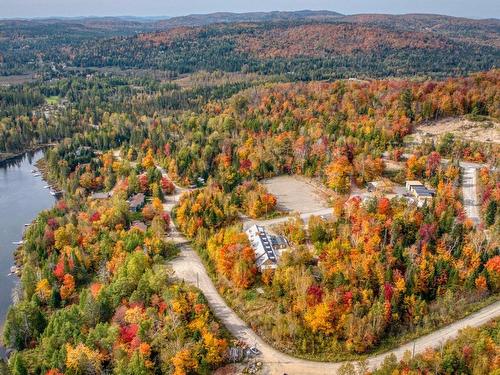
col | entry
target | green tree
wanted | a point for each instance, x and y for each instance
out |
(24, 323)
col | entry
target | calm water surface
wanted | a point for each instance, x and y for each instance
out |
(22, 197)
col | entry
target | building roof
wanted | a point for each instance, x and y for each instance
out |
(261, 244)
(422, 190)
(419, 189)
(278, 241)
(139, 225)
(136, 200)
(414, 183)
(101, 195)
(424, 194)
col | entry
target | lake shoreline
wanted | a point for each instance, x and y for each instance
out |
(6, 157)
(41, 165)
(23, 195)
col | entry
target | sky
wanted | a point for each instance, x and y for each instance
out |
(71, 8)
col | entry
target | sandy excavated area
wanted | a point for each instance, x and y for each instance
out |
(479, 131)
(294, 194)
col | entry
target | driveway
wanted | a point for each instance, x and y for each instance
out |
(469, 192)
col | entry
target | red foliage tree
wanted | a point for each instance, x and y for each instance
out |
(129, 332)
(314, 295)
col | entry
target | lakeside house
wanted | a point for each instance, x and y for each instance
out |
(136, 202)
(102, 195)
(266, 247)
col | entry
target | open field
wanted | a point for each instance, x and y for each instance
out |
(208, 79)
(16, 79)
(295, 194)
(479, 131)
(53, 100)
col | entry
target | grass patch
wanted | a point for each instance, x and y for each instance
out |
(53, 100)
(250, 295)
(477, 118)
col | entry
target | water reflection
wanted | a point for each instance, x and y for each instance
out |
(22, 196)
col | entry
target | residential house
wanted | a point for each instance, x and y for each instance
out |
(278, 242)
(421, 193)
(136, 202)
(102, 195)
(266, 247)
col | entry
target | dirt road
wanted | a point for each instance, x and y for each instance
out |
(189, 267)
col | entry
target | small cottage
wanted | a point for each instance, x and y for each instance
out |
(136, 202)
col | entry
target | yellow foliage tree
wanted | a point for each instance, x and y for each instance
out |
(43, 289)
(216, 348)
(318, 318)
(157, 205)
(339, 174)
(184, 362)
(148, 160)
(83, 360)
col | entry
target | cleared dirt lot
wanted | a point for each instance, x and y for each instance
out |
(16, 79)
(295, 194)
(480, 131)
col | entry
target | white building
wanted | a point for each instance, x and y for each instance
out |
(265, 246)
(421, 193)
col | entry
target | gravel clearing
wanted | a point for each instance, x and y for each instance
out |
(295, 194)
(479, 131)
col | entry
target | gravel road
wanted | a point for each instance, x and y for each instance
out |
(189, 267)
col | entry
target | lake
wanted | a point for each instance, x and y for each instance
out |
(22, 197)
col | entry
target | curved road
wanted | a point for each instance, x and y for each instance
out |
(189, 267)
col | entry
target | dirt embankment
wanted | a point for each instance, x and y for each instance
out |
(486, 131)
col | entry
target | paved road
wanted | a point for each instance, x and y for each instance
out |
(189, 267)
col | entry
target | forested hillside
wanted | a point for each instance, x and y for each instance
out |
(98, 297)
(382, 268)
(95, 291)
(462, 29)
(226, 17)
(301, 46)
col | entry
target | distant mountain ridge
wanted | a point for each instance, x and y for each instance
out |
(126, 25)
(228, 17)
(410, 22)
(482, 31)
(304, 45)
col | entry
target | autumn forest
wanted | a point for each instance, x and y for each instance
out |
(165, 142)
